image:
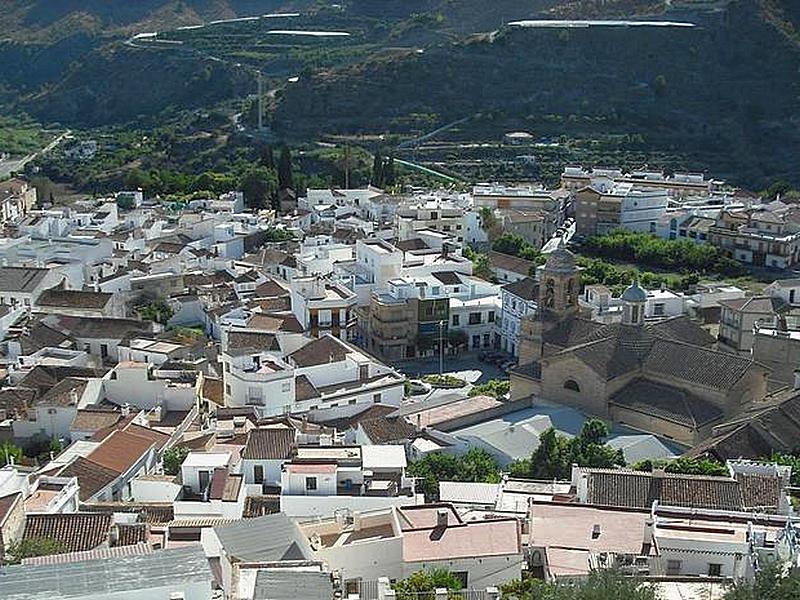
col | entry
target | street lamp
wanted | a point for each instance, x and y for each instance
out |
(441, 348)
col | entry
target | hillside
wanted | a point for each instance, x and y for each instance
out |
(701, 98)
(726, 91)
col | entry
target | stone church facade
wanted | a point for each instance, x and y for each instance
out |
(664, 377)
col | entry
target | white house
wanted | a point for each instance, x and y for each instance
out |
(321, 480)
(518, 299)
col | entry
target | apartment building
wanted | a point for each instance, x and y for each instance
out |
(416, 313)
(432, 213)
(324, 306)
(740, 318)
(677, 185)
(766, 236)
(606, 205)
(518, 300)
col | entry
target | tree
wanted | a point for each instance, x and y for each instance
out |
(389, 175)
(686, 466)
(173, 459)
(9, 452)
(285, 178)
(555, 455)
(376, 179)
(158, 310)
(481, 267)
(516, 245)
(266, 157)
(422, 584)
(496, 388)
(477, 465)
(36, 546)
(770, 583)
(599, 585)
(791, 460)
(490, 224)
(258, 185)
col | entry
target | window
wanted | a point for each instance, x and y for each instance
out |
(475, 318)
(228, 389)
(285, 387)
(376, 398)
(456, 320)
(673, 567)
(476, 341)
(791, 296)
(103, 350)
(486, 340)
(311, 484)
(714, 569)
(572, 385)
(491, 316)
(658, 309)
(258, 473)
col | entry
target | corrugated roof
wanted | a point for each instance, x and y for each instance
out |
(173, 569)
(286, 584)
(268, 538)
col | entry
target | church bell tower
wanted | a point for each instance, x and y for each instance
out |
(559, 286)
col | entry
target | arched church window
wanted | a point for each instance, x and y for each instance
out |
(572, 385)
(550, 294)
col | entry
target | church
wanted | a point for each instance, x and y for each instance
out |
(663, 377)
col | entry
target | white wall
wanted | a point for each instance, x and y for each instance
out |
(146, 490)
(311, 506)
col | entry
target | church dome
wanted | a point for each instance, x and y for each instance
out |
(634, 293)
(560, 260)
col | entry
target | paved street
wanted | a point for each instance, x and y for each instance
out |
(467, 366)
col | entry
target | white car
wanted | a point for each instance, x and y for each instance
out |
(417, 387)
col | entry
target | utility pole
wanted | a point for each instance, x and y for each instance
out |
(260, 102)
(441, 348)
(347, 167)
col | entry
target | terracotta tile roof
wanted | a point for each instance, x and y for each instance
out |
(275, 322)
(16, 401)
(763, 431)
(121, 450)
(76, 531)
(6, 504)
(326, 349)
(667, 402)
(304, 389)
(57, 297)
(270, 443)
(383, 430)
(66, 392)
(258, 506)
(526, 288)
(92, 477)
(244, 341)
(155, 513)
(506, 262)
(92, 420)
(213, 390)
(760, 493)
(131, 534)
(635, 489)
(270, 289)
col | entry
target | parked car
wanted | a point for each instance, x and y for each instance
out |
(417, 387)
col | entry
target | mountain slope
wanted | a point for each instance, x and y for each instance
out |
(726, 91)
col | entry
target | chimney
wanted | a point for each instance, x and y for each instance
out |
(356, 521)
(126, 410)
(441, 518)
